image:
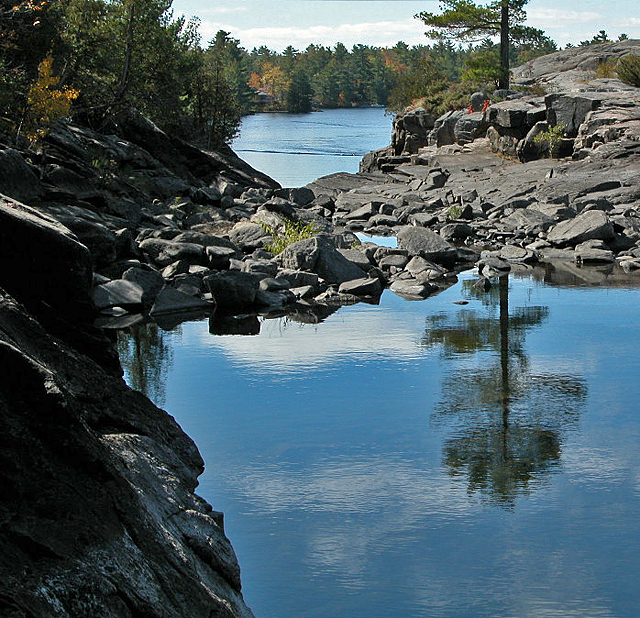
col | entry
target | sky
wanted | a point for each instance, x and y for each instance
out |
(279, 23)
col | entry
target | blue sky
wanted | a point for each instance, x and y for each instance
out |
(278, 23)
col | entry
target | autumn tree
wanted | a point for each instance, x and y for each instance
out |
(466, 21)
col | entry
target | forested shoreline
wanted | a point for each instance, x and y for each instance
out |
(92, 59)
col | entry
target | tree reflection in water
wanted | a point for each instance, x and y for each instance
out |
(146, 358)
(511, 418)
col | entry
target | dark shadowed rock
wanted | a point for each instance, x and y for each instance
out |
(17, 179)
(569, 110)
(233, 288)
(164, 252)
(149, 280)
(43, 263)
(170, 300)
(98, 506)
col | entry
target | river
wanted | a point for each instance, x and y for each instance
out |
(295, 149)
(472, 455)
(428, 459)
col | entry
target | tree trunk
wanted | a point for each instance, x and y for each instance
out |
(504, 45)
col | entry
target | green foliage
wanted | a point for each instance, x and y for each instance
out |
(291, 232)
(424, 82)
(552, 138)
(601, 37)
(299, 94)
(482, 68)
(123, 53)
(454, 212)
(628, 69)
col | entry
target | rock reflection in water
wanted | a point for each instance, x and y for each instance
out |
(511, 418)
(146, 357)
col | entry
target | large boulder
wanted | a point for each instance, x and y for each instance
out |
(233, 288)
(443, 132)
(164, 252)
(17, 178)
(470, 127)
(593, 224)
(117, 293)
(427, 244)
(43, 263)
(570, 110)
(319, 256)
(410, 131)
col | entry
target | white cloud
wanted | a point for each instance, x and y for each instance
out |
(383, 33)
(292, 346)
(557, 18)
(223, 10)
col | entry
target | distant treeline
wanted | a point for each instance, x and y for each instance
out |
(93, 58)
(321, 76)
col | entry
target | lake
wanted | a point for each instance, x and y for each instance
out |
(470, 455)
(295, 149)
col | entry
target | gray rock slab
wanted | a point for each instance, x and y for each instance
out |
(164, 252)
(117, 293)
(248, 236)
(170, 300)
(411, 289)
(361, 287)
(319, 256)
(427, 244)
(593, 224)
(150, 281)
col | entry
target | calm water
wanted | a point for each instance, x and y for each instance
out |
(424, 459)
(295, 149)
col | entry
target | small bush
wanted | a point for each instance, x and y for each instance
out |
(454, 212)
(628, 69)
(292, 232)
(606, 69)
(552, 137)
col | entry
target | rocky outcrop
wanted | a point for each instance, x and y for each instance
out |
(99, 515)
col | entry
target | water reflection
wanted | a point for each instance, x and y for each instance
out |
(146, 356)
(510, 419)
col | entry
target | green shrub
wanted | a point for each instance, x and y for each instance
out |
(291, 232)
(628, 69)
(552, 138)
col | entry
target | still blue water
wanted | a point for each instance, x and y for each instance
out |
(295, 149)
(425, 459)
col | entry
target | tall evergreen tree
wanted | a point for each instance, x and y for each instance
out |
(299, 94)
(465, 21)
